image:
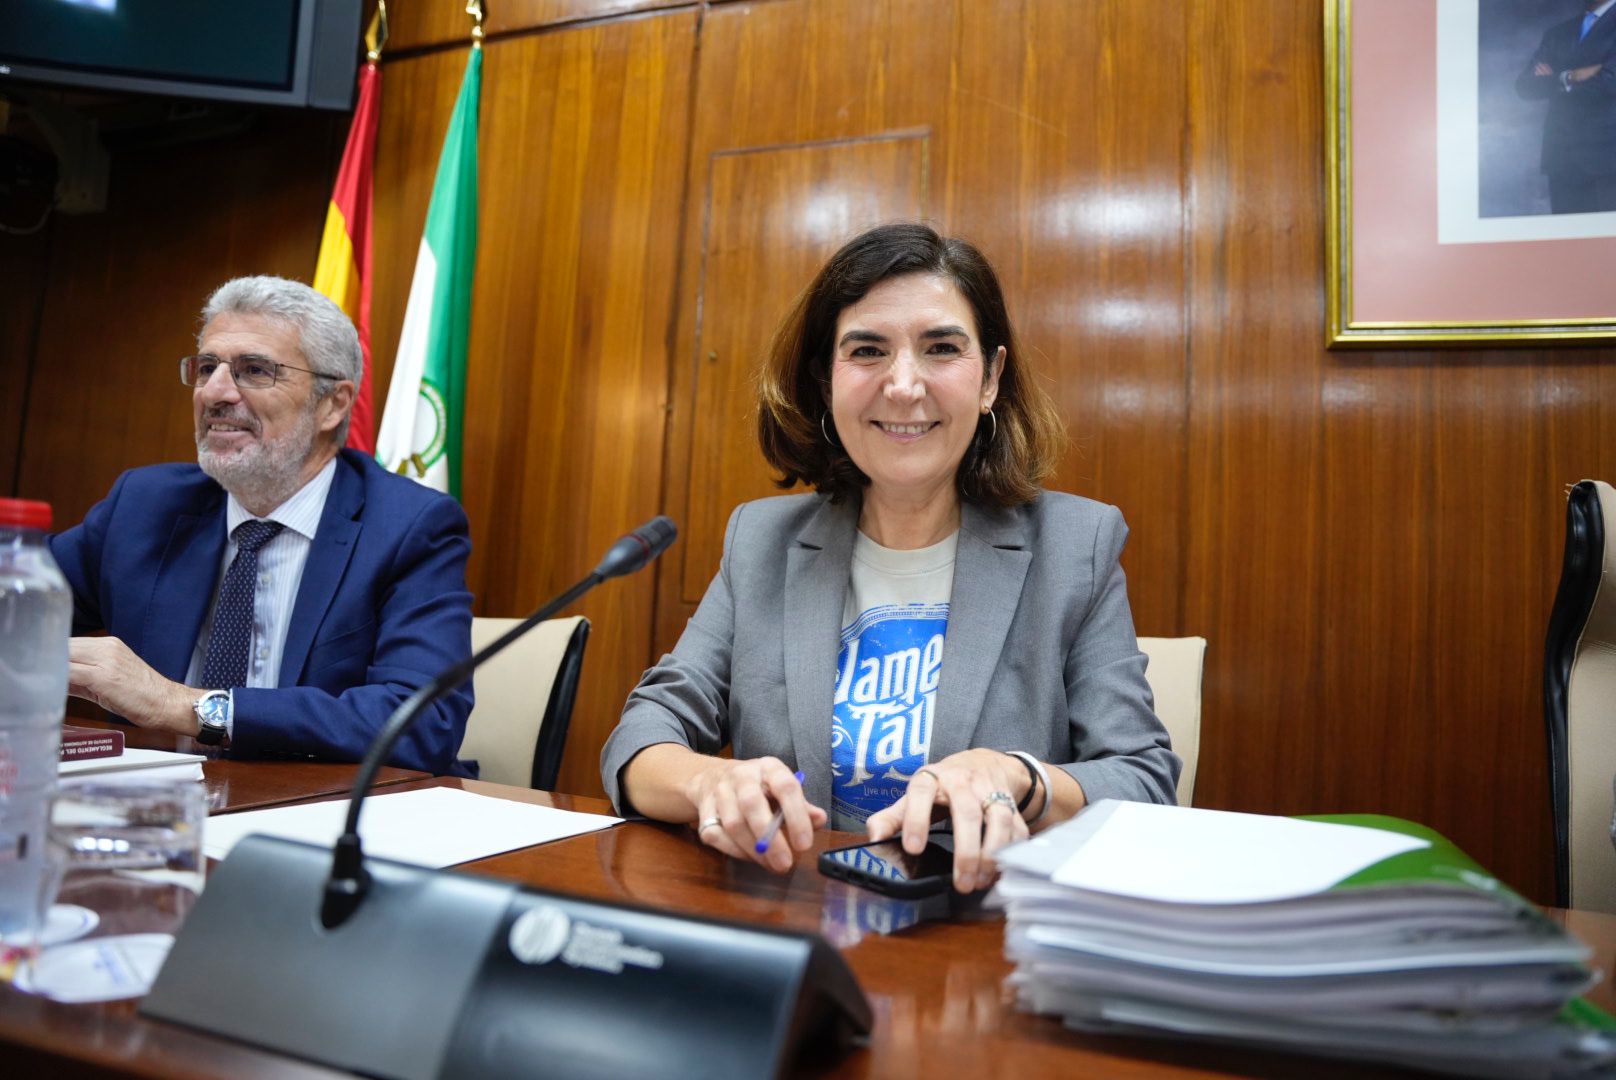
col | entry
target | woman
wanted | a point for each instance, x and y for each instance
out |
(895, 390)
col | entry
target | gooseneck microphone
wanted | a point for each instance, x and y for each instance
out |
(636, 550)
(346, 887)
(422, 974)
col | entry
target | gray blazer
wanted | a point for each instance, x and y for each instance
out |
(1040, 654)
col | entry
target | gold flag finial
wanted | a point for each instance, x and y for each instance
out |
(474, 8)
(376, 33)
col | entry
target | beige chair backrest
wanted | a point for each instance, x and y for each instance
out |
(1174, 675)
(1591, 736)
(512, 691)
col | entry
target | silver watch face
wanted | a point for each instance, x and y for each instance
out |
(213, 709)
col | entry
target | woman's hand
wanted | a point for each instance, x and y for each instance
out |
(736, 802)
(962, 785)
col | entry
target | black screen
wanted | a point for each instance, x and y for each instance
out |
(888, 860)
(234, 42)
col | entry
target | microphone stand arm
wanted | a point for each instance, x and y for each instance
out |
(349, 881)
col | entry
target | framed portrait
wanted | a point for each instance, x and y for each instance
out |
(1471, 172)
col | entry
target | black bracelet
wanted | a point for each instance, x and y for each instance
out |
(1026, 800)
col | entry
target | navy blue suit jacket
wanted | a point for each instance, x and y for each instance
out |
(382, 607)
(1579, 133)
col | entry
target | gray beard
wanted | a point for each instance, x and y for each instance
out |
(266, 473)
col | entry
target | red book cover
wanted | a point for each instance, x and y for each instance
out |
(83, 742)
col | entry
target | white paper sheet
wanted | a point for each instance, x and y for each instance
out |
(174, 766)
(1179, 854)
(433, 827)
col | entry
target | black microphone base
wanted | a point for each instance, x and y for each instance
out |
(447, 974)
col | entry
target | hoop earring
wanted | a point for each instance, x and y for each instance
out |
(993, 432)
(825, 433)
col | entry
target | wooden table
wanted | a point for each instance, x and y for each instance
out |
(235, 784)
(936, 987)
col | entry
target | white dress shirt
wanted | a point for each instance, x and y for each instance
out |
(280, 572)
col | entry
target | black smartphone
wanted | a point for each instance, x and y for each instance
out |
(884, 867)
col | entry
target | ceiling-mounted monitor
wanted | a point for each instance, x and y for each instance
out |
(269, 52)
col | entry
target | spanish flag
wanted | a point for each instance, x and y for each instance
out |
(343, 270)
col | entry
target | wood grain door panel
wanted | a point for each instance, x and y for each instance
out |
(773, 216)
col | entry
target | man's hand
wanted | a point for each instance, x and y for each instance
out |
(106, 671)
(1583, 74)
(1540, 68)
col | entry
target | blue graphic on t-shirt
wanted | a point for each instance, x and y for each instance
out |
(886, 694)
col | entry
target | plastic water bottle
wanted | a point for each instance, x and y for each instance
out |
(36, 619)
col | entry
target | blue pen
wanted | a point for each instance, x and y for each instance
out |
(774, 826)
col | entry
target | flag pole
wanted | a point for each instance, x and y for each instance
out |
(342, 269)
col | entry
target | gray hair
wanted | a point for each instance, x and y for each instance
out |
(326, 335)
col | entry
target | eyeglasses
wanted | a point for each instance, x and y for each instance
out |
(253, 372)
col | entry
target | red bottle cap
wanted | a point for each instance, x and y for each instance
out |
(25, 514)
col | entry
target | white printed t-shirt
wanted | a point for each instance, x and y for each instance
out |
(887, 670)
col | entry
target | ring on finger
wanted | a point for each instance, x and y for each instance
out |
(709, 823)
(1000, 798)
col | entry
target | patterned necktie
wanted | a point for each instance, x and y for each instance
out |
(226, 663)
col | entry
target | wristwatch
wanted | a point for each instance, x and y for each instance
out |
(213, 718)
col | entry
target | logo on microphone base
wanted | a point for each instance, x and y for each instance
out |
(538, 935)
(542, 934)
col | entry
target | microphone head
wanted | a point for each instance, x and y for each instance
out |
(659, 534)
(635, 550)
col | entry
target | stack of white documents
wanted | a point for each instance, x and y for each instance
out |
(1356, 936)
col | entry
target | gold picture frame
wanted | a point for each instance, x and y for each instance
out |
(1433, 267)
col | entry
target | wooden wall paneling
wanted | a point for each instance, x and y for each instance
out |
(771, 219)
(581, 159)
(1507, 431)
(1253, 306)
(839, 59)
(1496, 531)
(24, 269)
(1370, 540)
(126, 287)
(417, 23)
(417, 98)
(1374, 539)
(592, 209)
(1066, 132)
(1029, 155)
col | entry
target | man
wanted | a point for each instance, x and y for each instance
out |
(1575, 69)
(283, 595)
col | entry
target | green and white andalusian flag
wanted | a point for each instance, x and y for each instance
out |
(420, 432)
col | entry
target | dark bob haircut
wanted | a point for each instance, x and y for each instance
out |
(1009, 457)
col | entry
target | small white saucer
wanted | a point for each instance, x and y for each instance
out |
(67, 922)
(100, 969)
